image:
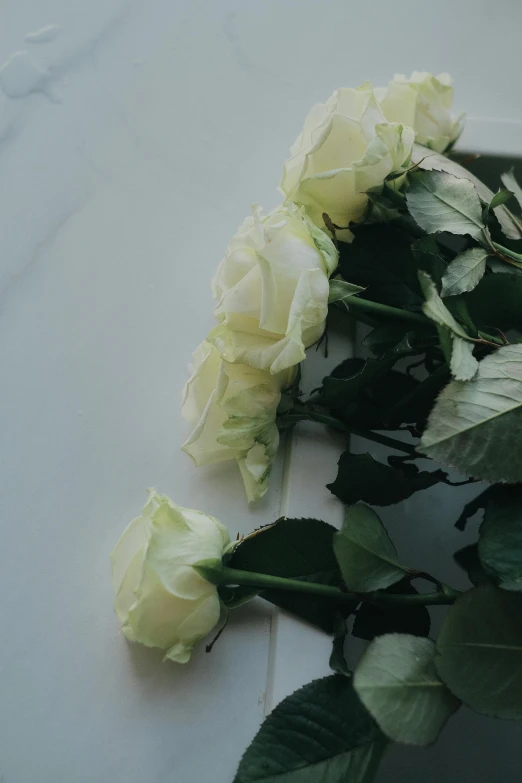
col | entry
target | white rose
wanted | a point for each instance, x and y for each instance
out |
(424, 102)
(161, 600)
(272, 290)
(232, 408)
(345, 148)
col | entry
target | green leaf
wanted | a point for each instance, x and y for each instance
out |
(508, 179)
(398, 684)
(438, 201)
(337, 660)
(463, 364)
(501, 196)
(366, 399)
(320, 612)
(365, 553)
(467, 558)
(464, 272)
(418, 404)
(459, 310)
(428, 255)
(471, 508)
(435, 308)
(383, 338)
(479, 651)
(348, 367)
(387, 396)
(380, 260)
(382, 208)
(340, 391)
(497, 302)
(445, 342)
(348, 379)
(361, 477)
(426, 159)
(371, 620)
(340, 290)
(474, 426)
(321, 732)
(289, 548)
(296, 549)
(500, 538)
(498, 266)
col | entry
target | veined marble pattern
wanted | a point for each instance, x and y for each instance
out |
(134, 135)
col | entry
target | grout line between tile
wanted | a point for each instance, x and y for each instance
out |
(275, 614)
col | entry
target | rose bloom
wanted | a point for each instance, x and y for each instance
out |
(424, 102)
(161, 600)
(346, 147)
(272, 290)
(232, 409)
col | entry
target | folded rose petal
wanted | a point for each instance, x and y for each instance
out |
(160, 598)
(232, 408)
(272, 290)
(424, 102)
(346, 147)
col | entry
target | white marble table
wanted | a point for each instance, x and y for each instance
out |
(133, 137)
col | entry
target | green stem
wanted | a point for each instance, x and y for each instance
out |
(515, 220)
(233, 576)
(509, 255)
(366, 305)
(489, 338)
(331, 421)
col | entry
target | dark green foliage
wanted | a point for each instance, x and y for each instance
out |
(384, 338)
(471, 508)
(321, 732)
(371, 621)
(479, 651)
(442, 364)
(500, 539)
(372, 394)
(416, 406)
(495, 302)
(361, 477)
(297, 549)
(337, 660)
(381, 260)
(467, 558)
(429, 257)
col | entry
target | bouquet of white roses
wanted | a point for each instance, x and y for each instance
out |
(380, 226)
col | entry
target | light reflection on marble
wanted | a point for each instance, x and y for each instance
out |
(133, 138)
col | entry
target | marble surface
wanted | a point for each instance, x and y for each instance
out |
(134, 134)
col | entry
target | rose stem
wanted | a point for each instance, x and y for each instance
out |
(233, 576)
(366, 305)
(322, 418)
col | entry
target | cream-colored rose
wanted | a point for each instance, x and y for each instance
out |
(161, 600)
(272, 290)
(232, 408)
(424, 102)
(346, 147)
